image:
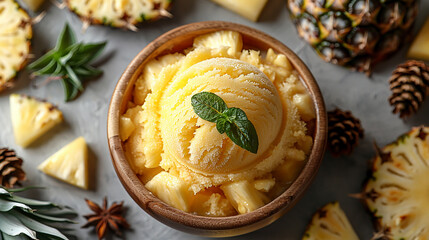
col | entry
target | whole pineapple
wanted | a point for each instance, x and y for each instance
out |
(354, 33)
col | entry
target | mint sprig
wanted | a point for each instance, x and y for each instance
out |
(232, 121)
(69, 62)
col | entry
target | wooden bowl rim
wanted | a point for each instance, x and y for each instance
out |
(164, 212)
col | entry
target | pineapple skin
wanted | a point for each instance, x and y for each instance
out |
(69, 164)
(105, 12)
(34, 5)
(31, 118)
(420, 47)
(396, 190)
(14, 17)
(354, 33)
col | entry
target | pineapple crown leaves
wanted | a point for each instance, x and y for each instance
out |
(69, 62)
(24, 218)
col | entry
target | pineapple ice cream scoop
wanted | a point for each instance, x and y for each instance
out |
(196, 143)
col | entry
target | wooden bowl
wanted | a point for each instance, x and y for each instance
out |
(177, 40)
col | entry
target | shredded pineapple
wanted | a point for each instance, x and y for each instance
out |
(69, 164)
(31, 118)
(15, 41)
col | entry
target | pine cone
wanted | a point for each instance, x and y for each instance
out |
(10, 168)
(344, 131)
(410, 85)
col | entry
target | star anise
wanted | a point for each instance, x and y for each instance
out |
(106, 218)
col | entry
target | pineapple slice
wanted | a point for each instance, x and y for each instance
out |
(122, 14)
(171, 190)
(420, 47)
(15, 41)
(32, 118)
(397, 191)
(250, 9)
(34, 5)
(219, 39)
(330, 222)
(244, 197)
(69, 164)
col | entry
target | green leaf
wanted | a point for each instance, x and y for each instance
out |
(221, 124)
(235, 114)
(48, 69)
(66, 39)
(4, 191)
(87, 71)
(49, 218)
(31, 202)
(19, 237)
(14, 190)
(208, 106)
(75, 81)
(6, 206)
(70, 92)
(42, 61)
(243, 133)
(39, 227)
(58, 212)
(87, 53)
(12, 226)
(71, 51)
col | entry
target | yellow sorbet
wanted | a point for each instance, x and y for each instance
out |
(184, 160)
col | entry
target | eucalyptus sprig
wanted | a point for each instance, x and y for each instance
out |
(232, 121)
(69, 62)
(25, 218)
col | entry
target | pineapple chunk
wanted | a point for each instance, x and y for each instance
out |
(244, 197)
(420, 47)
(32, 118)
(250, 9)
(126, 127)
(15, 41)
(171, 190)
(220, 39)
(69, 164)
(34, 5)
(264, 185)
(330, 222)
(212, 203)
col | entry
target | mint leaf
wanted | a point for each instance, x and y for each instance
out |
(232, 121)
(243, 133)
(208, 106)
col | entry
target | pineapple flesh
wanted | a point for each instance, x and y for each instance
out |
(330, 222)
(69, 164)
(15, 41)
(244, 197)
(420, 47)
(171, 190)
(354, 33)
(250, 9)
(31, 118)
(34, 5)
(119, 13)
(397, 191)
(219, 39)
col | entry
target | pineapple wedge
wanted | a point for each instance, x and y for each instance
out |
(244, 197)
(15, 41)
(171, 190)
(330, 222)
(31, 118)
(69, 164)
(250, 9)
(420, 47)
(219, 39)
(34, 5)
